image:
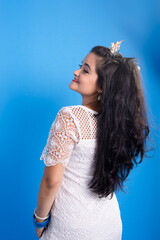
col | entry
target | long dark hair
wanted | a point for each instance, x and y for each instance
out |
(122, 126)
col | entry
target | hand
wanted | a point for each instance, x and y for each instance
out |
(40, 231)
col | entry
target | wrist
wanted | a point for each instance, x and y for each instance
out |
(39, 220)
(43, 224)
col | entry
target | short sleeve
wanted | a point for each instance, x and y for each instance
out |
(62, 138)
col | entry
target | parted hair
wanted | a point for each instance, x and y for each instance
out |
(122, 126)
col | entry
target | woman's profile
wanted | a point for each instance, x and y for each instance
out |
(91, 149)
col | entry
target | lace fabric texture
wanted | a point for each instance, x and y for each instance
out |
(77, 213)
(63, 136)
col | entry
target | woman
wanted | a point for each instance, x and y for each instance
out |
(91, 149)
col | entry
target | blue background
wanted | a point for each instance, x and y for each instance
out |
(41, 44)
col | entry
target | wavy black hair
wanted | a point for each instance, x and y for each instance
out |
(122, 126)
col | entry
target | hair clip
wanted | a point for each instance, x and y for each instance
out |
(115, 46)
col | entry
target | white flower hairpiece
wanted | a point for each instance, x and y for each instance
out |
(115, 46)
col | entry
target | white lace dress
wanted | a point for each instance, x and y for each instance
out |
(77, 213)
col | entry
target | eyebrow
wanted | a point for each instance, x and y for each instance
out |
(87, 65)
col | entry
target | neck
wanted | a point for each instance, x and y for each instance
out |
(93, 105)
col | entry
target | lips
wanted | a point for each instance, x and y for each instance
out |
(75, 79)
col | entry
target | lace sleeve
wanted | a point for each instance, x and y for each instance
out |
(63, 136)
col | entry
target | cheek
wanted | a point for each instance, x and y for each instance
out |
(88, 85)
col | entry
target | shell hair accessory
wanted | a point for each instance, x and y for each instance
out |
(115, 46)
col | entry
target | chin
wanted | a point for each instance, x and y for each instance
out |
(70, 86)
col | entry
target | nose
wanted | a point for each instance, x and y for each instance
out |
(76, 73)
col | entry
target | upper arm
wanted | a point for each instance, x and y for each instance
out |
(62, 138)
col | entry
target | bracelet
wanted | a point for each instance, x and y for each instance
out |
(40, 225)
(40, 218)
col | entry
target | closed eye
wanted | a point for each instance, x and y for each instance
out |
(83, 69)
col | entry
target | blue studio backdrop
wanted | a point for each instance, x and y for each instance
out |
(41, 44)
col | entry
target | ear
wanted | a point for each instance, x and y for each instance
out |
(99, 90)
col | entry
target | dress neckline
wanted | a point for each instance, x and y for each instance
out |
(88, 109)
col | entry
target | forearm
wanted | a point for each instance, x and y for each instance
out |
(46, 198)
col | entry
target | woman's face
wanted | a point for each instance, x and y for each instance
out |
(87, 79)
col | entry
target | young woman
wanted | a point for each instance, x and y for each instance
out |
(91, 149)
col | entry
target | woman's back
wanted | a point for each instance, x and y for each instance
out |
(77, 213)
